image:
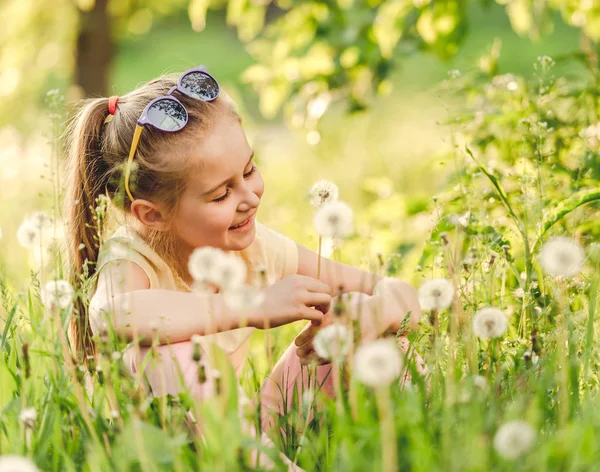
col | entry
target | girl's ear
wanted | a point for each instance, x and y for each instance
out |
(149, 214)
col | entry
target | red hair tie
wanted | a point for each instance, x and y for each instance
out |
(112, 104)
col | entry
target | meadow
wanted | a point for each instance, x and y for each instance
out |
(475, 180)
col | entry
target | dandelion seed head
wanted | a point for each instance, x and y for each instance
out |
(28, 417)
(28, 235)
(322, 192)
(14, 463)
(514, 439)
(436, 294)
(489, 323)
(244, 299)
(333, 341)
(378, 363)
(334, 220)
(231, 273)
(562, 256)
(212, 265)
(57, 293)
(203, 263)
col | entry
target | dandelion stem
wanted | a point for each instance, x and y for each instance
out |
(388, 430)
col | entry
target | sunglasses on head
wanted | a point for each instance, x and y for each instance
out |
(168, 114)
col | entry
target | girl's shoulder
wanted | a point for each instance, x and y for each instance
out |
(126, 244)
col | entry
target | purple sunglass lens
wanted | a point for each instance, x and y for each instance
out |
(167, 115)
(200, 85)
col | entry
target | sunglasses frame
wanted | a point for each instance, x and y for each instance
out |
(144, 120)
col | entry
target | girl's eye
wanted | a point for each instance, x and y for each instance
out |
(247, 175)
(223, 198)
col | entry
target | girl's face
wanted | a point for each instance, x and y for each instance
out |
(223, 190)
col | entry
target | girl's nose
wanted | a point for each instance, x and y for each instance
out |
(250, 199)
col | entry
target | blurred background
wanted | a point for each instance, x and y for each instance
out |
(348, 92)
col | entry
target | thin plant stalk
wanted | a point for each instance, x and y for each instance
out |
(387, 428)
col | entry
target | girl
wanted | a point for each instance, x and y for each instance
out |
(173, 156)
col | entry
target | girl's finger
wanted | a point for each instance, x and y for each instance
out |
(313, 358)
(306, 335)
(304, 350)
(312, 315)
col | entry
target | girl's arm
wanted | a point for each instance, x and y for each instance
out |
(124, 299)
(335, 274)
(397, 297)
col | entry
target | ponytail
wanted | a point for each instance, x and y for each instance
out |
(86, 172)
(96, 156)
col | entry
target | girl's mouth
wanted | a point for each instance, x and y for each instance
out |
(244, 225)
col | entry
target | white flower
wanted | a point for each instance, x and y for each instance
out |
(562, 256)
(436, 294)
(244, 299)
(212, 265)
(231, 273)
(514, 439)
(31, 232)
(203, 263)
(28, 416)
(334, 220)
(378, 363)
(322, 192)
(58, 293)
(13, 463)
(489, 323)
(333, 341)
(196, 339)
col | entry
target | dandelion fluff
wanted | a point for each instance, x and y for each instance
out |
(489, 323)
(323, 192)
(334, 220)
(14, 463)
(57, 293)
(28, 417)
(562, 256)
(378, 363)
(244, 299)
(231, 273)
(203, 263)
(34, 229)
(514, 439)
(436, 294)
(333, 341)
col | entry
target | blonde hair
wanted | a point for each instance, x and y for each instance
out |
(97, 153)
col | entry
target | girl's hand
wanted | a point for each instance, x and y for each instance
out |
(292, 299)
(384, 312)
(304, 344)
(398, 299)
